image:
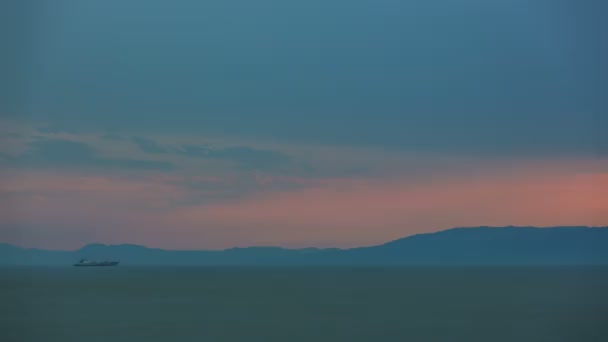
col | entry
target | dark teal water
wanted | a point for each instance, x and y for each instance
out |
(303, 304)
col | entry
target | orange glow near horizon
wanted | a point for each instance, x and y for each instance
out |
(67, 211)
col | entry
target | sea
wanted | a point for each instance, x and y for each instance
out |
(148, 304)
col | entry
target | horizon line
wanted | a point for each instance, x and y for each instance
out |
(302, 248)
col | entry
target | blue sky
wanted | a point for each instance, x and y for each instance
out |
(306, 91)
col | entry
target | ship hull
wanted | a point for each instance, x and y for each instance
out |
(100, 264)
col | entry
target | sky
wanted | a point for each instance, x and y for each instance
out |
(324, 123)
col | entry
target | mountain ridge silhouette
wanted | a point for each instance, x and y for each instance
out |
(564, 245)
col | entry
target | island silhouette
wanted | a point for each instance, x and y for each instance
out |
(457, 246)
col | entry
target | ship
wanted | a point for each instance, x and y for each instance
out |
(89, 263)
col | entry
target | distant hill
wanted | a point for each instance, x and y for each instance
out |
(457, 246)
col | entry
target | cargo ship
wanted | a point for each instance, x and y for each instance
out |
(85, 262)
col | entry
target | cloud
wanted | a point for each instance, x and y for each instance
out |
(149, 145)
(112, 136)
(246, 156)
(65, 153)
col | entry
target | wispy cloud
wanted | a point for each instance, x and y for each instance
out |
(245, 156)
(48, 152)
(112, 136)
(149, 145)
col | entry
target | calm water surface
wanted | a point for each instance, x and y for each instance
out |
(303, 304)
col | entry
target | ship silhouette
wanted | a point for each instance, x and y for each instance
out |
(85, 262)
